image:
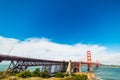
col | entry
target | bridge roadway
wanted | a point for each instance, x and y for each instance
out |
(25, 59)
(19, 64)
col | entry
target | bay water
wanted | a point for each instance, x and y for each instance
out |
(108, 73)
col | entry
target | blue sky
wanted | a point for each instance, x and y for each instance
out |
(62, 21)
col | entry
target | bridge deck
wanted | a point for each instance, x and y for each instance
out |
(16, 58)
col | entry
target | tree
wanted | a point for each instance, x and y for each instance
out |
(24, 74)
(36, 72)
(45, 74)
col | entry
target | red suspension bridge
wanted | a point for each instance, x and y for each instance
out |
(18, 64)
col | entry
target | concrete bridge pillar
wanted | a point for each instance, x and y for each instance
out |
(69, 68)
(80, 67)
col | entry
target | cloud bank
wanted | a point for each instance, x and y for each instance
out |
(44, 48)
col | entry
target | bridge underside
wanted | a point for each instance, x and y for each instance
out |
(19, 66)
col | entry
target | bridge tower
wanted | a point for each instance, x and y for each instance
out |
(89, 60)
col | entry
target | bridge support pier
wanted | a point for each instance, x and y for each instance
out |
(69, 68)
(64, 67)
(89, 67)
(48, 68)
(16, 66)
(43, 67)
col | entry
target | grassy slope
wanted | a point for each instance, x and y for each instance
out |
(32, 78)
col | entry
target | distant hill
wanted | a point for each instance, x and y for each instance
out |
(110, 66)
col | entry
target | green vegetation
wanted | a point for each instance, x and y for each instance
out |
(4, 75)
(72, 77)
(81, 77)
(38, 75)
(66, 75)
(72, 74)
(24, 74)
(1, 73)
(45, 74)
(59, 75)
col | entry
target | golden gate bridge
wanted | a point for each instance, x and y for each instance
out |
(19, 64)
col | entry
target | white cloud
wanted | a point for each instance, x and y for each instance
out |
(46, 49)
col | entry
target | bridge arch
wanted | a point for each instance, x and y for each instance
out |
(75, 69)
